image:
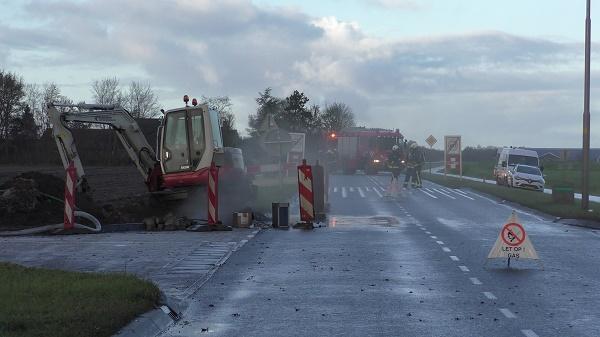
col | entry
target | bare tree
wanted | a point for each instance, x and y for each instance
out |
(11, 93)
(34, 100)
(107, 91)
(337, 116)
(141, 100)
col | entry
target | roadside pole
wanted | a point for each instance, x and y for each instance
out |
(585, 181)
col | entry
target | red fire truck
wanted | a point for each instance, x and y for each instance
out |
(367, 149)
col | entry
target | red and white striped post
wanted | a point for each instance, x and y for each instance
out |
(305, 192)
(213, 195)
(70, 181)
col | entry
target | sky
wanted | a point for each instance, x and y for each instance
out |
(496, 72)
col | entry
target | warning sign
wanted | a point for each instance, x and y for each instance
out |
(513, 242)
(513, 234)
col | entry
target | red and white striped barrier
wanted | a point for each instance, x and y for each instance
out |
(70, 181)
(305, 191)
(213, 195)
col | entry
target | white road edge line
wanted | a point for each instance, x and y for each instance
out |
(464, 268)
(429, 194)
(454, 258)
(489, 295)
(475, 280)
(507, 313)
(529, 333)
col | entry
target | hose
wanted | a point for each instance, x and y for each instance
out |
(47, 228)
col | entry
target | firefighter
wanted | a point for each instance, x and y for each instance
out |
(395, 162)
(414, 164)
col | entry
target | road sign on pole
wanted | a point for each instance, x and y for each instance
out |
(513, 242)
(431, 140)
(453, 154)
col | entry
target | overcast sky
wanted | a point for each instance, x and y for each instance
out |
(504, 72)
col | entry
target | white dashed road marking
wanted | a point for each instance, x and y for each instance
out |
(489, 295)
(344, 194)
(464, 268)
(507, 313)
(440, 242)
(351, 189)
(529, 333)
(335, 189)
(454, 258)
(433, 237)
(428, 232)
(475, 280)
(446, 249)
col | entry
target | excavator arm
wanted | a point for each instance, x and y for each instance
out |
(120, 120)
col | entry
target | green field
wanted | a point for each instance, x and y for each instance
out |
(53, 303)
(534, 200)
(557, 174)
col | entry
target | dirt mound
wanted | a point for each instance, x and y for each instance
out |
(44, 183)
(33, 199)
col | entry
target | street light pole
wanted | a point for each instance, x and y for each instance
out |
(585, 181)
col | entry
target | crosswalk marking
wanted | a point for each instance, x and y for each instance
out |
(462, 194)
(344, 194)
(378, 193)
(335, 189)
(442, 193)
(429, 194)
(360, 191)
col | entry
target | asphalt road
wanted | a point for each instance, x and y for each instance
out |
(413, 266)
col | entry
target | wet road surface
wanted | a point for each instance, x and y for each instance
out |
(413, 266)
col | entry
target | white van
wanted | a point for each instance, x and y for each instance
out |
(509, 157)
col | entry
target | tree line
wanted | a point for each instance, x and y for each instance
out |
(294, 113)
(24, 112)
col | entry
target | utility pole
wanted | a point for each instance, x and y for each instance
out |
(585, 177)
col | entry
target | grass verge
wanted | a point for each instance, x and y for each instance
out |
(40, 302)
(557, 174)
(534, 200)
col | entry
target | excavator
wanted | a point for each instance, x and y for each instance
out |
(189, 141)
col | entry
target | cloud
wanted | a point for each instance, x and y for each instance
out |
(490, 86)
(396, 4)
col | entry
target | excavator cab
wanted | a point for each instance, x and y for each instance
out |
(190, 140)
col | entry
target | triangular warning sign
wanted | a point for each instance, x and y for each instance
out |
(513, 242)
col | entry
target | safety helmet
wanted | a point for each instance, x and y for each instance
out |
(395, 147)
